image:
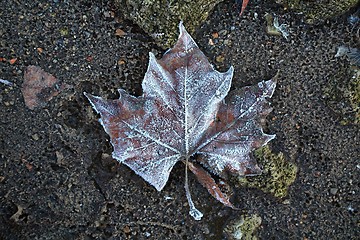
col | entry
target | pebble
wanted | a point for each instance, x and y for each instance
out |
(126, 230)
(227, 42)
(35, 137)
(333, 191)
(223, 32)
(215, 35)
(220, 58)
(211, 42)
(119, 32)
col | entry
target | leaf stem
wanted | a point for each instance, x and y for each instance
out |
(196, 214)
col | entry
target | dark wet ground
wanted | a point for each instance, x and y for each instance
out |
(57, 177)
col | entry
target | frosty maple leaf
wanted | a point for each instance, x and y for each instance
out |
(183, 116)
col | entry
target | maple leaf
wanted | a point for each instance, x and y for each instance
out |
(183, 116)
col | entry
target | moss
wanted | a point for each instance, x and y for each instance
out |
(317, 11)
(64, 31)
(243, 228)
(342, 94)
(160, 18)
(354, 94)
(278, 173)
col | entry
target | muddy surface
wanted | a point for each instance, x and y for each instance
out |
(57, 177)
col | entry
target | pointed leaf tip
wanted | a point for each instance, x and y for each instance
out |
(181, 27)
(185, 41)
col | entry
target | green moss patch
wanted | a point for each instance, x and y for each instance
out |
(160, 18)
(243, 228)
(278, 173)
(317, 11)
(343, 95)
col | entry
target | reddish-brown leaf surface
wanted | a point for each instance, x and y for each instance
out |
(243, 6)
(183, 112)
(39, 87)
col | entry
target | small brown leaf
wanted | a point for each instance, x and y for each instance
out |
(120, 33)
(39, 87)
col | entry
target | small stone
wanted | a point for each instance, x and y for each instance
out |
(89, 58)
(107, 14)
(223, 32)
(206, 230)
(119, 32)
(35, 137)
(12, 61)
(286, 201)
(211, 42)
(121, 62)
(220, 58)
(126, 229)
(215, 35)
(59, 157)
(227, 42)
(333, 191)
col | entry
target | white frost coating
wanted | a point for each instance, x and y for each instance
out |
(253, 106)
(206, 115)
(232, 145)
(189, 42)
(178, 116)
(146, 135)
(97, 103)
(157, 83)
(6, 82)
(163, 164)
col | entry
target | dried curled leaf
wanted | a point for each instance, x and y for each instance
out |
(182, 113)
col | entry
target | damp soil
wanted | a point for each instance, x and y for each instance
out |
(59, 181)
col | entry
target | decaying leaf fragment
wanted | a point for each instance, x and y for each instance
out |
(39, 87)
(183, 115)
